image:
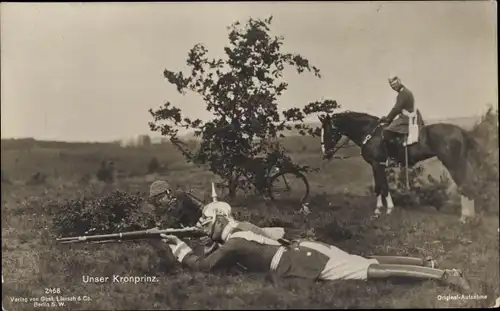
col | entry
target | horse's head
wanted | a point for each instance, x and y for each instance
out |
(330, 135)
(353, 125)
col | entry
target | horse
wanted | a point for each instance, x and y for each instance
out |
(455, 148)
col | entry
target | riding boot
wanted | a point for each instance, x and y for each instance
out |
(449, 277)
(403, 260)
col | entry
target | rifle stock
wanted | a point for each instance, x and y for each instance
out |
(133, 235)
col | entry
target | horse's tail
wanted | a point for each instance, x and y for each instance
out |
(481, 172)
(474, 152)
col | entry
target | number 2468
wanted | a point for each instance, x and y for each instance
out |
(52, 291)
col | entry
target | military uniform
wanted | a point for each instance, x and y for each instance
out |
(274, 233)
(403, 130)
(405, 105)
(186, 208)
(223, 208)
(306, 259)
(176, 207)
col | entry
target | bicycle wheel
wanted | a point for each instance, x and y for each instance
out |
(288, 185)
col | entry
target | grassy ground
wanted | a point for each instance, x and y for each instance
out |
(34, 267)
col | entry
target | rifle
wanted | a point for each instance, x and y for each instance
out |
(133, 235)
(191, 232)
(199, 203)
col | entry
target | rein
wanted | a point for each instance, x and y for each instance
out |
(335, 150)
(365, 140)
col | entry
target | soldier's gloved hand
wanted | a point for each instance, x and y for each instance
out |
(170, 239)
(383, 120)
(177, 246)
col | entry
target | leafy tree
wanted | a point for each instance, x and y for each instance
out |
(242, 92)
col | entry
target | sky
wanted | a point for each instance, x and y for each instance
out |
(90, 72)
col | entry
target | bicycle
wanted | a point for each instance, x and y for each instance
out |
(264, 177)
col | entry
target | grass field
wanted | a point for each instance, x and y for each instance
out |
(35, 267)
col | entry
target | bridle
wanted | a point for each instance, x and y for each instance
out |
(330, 153)
(334, 150)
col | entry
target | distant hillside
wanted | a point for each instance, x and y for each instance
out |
(466, 123)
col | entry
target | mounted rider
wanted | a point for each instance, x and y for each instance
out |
(409, 119)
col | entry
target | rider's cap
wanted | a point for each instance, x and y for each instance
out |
(393, 79)
(158, 187)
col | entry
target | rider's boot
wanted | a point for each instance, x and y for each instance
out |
(387, 144)
(391, 144)
(451, 277)
(403, 260)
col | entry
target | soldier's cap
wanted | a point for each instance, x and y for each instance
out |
(158, 187)
(393, 79)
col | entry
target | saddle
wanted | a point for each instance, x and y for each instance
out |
(394, 144)
(404, 131)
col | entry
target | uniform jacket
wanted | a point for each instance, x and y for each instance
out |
(257, 254)
(185, 210)
(274, 233)
(404, 101)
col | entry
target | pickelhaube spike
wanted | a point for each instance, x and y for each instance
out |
(214, 193)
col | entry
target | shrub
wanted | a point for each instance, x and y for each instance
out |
(486, 134)
(37, 179)
(116, 212)
(424, 190)
(153, 166)
(106, 172)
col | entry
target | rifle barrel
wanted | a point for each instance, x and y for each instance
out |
(192, 231)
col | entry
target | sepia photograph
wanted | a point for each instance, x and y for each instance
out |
(249, 155)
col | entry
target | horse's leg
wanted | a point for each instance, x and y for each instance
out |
(461, 176)
(384, 187)
(468, 208)
(458, 172)
(378, 174)
(467, 205)
(388, 197)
